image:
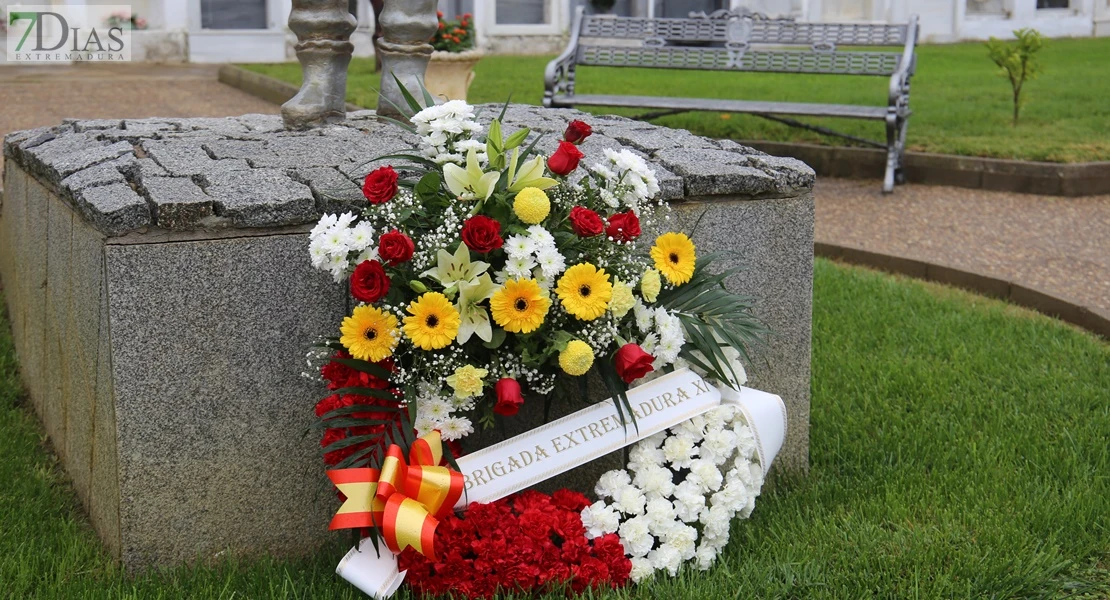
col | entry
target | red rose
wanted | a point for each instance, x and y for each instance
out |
(482, 234)
(586, 223)
(369, 283)
(565, 159)
(380, 185)
(509, 399)
(577, 132)
(395, 247)
(633, 363)
(623, 227)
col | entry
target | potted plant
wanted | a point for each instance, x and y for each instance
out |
(451, 68)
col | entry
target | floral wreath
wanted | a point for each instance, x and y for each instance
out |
(488, 271)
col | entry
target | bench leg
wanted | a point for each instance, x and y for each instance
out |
(899, 170)
(892, 154)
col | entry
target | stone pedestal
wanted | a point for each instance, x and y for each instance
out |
(157, 278)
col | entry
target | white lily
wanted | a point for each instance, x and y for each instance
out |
(474, 318)
(530, 174)
(470, 183)
(451, 270)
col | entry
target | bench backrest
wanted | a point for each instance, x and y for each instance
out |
(741, 44)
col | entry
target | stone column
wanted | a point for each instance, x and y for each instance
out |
(407, 25)
(323, 29)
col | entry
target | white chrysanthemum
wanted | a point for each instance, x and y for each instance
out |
(520, 267)
(437, 410)
(645, 317)
(337, 265)
(635, 536)
(704, 473)
(599, 519)
(680, 451)
(541, 236)
(520, 246)
(666, 557)
(344, 220)
(369, 253)
(642, 569)
(423, 425)
(612, 482)
(334, 242)
(655, 479)
(325, 223)
(318, 254)
(551, 262)
(456, 428)
(360, 236)
(629, 500)
(545, 282)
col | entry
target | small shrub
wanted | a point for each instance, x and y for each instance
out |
(454, 36)
(1018, 61)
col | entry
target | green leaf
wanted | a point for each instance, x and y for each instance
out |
(517, 138)
(413, 104)
(499, 337)
(429, 186)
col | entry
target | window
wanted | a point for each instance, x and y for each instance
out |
(1053, 3)
(521, 12)
(233, 14)
(986, 7)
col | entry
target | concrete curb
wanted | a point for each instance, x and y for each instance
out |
(1029, 177)
(262, 86)
(1092, 319)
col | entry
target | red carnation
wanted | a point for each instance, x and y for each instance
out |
(509, 399)
(395, 247)
(577, 132)
(482, 234)
(633, 363)
(380, 185)
(623, 227)
(586, 223)
(565, 159)
(369, 283)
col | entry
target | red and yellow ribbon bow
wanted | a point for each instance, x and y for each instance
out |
(405, 500)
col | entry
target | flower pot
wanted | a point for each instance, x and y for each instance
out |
(449, 74)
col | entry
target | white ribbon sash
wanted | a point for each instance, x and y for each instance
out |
(561, 445)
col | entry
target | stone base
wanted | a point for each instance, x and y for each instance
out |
(161, 298)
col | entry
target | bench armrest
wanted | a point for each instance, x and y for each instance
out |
(900, 80)
(558, 77)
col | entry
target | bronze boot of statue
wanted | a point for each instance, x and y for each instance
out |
(323, 29)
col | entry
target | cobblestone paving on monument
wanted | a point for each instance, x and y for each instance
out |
(40, 96)
(1059, 245)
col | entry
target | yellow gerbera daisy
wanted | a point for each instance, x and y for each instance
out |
(519, 306)
(585, 291)
(577, 358)
(434, 321)
(531, 205)
(369, 333)
(675, 257)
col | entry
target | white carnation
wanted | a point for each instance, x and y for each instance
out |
(689, 500)
(661, 513)
(680, 451)
(666, 557)
(655, 480)
(629, 500)
(682, 538)
(705, 473)
(706, 555)
(641, 569)
(611, 482)
(599, 519)
(635, 536)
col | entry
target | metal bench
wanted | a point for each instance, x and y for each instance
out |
(727, 41)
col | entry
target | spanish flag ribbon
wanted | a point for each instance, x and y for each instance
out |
(406, 500)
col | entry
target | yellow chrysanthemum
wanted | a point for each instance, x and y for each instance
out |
(434, 321)
(675, 257)
(622, 300)
(650, 285)
(467, 381)
(577, 358)
(531, 205)
(369, 333)
(585, 291)
(519, 306)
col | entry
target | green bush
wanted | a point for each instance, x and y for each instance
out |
(1017, 61)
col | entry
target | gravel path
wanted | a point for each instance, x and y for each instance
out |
(38, 96)
(1059, 245)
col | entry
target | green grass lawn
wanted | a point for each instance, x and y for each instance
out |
(959, 449)
(961, 105)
